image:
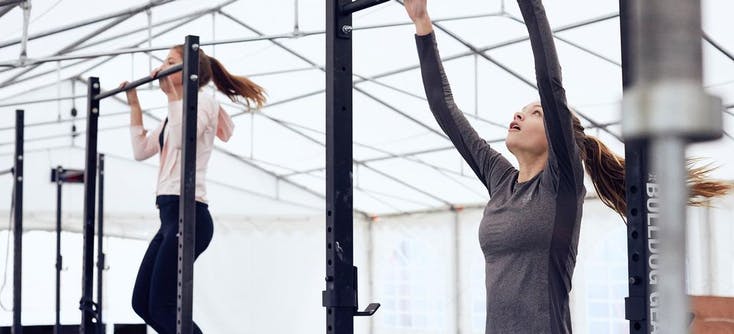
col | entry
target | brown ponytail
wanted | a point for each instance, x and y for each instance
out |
(606, 170)
(234, 86)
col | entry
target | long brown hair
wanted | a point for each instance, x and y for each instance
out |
(606, 170)
(234, 86)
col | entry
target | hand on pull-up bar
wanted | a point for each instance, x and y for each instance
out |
(171, 84)
(130, 85)
(136, 112)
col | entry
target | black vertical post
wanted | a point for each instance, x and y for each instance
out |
(59, 260)
(90, 174)
(638, 185)
(340, 296)
(187, 204)
(100, 239)
(18, 223)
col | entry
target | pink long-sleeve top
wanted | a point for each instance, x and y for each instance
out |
(212, 121)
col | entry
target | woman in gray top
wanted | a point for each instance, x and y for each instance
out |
(530, 229)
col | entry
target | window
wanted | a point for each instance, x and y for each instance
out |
(413, 289)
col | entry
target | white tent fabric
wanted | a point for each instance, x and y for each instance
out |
(266, 186)
(281, 147)
(265, 274)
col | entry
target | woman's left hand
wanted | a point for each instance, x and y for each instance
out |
(131, 94)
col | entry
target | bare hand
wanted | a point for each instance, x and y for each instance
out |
(131, 94)
(155, 72)
(416, 10)
(418, 13)
(165, 83)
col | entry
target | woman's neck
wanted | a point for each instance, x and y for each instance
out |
(531, 166)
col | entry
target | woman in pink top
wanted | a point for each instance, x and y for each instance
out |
(154, 295)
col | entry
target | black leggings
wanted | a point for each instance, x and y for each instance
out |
(154, 295)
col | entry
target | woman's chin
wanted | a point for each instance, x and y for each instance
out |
(510, 144)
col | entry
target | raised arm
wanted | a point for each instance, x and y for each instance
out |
(144, 144)
(563, 154)
(489, 165)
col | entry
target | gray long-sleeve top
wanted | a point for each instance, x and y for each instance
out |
(529, 231)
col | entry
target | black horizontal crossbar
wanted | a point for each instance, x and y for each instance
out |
(140, 82)
(358, 5)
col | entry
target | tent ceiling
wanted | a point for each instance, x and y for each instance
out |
(403, 162)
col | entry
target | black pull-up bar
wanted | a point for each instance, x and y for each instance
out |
(358, 5)
(139, 82)
(91, 311)
(10, 3)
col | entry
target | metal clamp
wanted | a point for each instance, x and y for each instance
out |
(666, 109)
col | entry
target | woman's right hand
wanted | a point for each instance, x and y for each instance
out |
(131, 94)
(418, 13)
(165, 83)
